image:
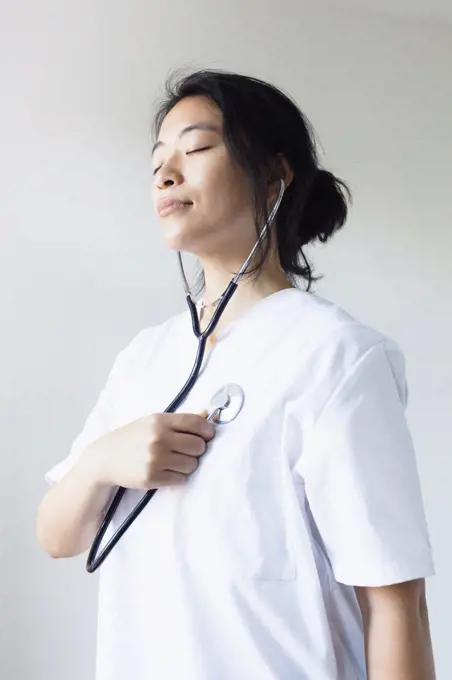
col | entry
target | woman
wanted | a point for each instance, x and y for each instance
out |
(290, 543)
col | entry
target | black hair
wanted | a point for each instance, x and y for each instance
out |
(261, 124)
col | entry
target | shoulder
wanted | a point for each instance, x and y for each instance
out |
(331, 325)
(325, 318)
(341, 344)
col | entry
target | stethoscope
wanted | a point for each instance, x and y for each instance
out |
(224, 407)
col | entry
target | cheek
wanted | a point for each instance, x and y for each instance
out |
(225, 193)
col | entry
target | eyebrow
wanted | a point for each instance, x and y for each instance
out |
(196, 126)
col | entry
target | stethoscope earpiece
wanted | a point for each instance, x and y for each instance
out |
(226, 404)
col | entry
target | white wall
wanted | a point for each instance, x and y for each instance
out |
(82, 267)
(426, 10)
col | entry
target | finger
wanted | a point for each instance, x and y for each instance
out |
(188, 444)
(169, 478)
(191, 423)
(205, 414)
(178, 462)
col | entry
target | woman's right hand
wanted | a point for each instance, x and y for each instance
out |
(151, 452)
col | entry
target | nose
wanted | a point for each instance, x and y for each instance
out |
(168, 176)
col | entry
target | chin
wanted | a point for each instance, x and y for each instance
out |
(178, 242)
(179, 237)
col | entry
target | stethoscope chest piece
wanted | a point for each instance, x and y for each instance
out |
(226, 404)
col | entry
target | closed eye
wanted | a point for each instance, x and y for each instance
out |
(201, 148)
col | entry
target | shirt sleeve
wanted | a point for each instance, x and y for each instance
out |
(361, 478)
(103, 416)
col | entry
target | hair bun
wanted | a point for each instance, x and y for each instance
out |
(325, 209)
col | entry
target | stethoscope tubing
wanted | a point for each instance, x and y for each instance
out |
(97, 557)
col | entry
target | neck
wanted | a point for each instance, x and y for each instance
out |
(271, 279)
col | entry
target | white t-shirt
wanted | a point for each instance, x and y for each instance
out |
(247, 571)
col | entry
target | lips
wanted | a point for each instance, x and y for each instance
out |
(167, 206)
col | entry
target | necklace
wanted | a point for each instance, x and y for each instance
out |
(202, 305)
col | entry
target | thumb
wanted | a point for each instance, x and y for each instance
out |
(204, 413)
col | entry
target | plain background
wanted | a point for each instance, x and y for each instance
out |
(83, 267)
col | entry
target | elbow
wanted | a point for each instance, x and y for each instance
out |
(53, 552)
(49, 538)
(50, 548)
(54, 548)
(48, 543)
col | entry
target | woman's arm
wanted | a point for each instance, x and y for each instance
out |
(140, 455)
(70, 512)
(397, 633)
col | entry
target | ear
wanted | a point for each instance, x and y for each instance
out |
(287, 172)
(280, 169)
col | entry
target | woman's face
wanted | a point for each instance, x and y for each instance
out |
(201, 195)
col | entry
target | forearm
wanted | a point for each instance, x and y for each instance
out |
(397, 638)
(70, 512)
